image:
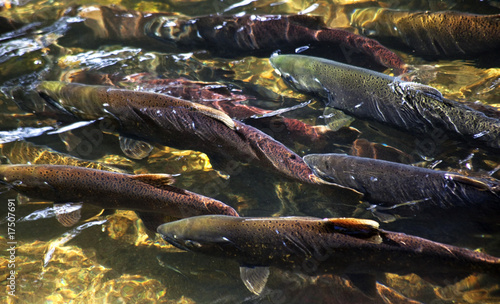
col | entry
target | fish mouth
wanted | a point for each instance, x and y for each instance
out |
(170, 237)
(174, 242)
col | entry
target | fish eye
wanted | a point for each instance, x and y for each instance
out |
(289, 78)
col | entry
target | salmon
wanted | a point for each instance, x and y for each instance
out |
(409, 191)
(356, 248)
(366, 94)
(147, 194)
(173, 122)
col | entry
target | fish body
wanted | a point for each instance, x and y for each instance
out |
(220, 97)
(371, 95)
(315, 246)
(411, 189)
(444, 33)
(177, 123)
(232, 36)
(109, 190)
(265, 33)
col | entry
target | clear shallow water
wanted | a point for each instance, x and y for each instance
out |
(108, 257)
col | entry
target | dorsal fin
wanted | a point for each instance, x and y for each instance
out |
(354, 223)
(155, 180)
(216, 114)
(360, 228)
(479, 184)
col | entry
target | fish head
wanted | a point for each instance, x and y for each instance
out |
(54, 93)
(26, 180)
(322, 165)
(283, 66)
(203, 234)
(297, 73)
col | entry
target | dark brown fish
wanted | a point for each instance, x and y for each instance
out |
(286, 130)
(232, 36)
(257, 33)
(407, 190)
(173, 122)
(446, 33)
(354, 247)
(148, 194)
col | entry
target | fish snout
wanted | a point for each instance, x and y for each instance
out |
(176, 240)
(275, 60)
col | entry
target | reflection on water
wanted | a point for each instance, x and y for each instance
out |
(110, 257)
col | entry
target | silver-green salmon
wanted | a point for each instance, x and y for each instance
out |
(148, 193)
(354, 247)
(366, 94)
(407, 190)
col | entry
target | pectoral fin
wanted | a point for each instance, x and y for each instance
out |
(51, 102)
(444, 279)
(281, 111)
(336, 119)
(135, 149)
(324, 178)
(25, 200)
(384, 217)
(254, 278)
(367, 283)
(68, 214)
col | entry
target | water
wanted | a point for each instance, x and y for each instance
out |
(109, 256)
